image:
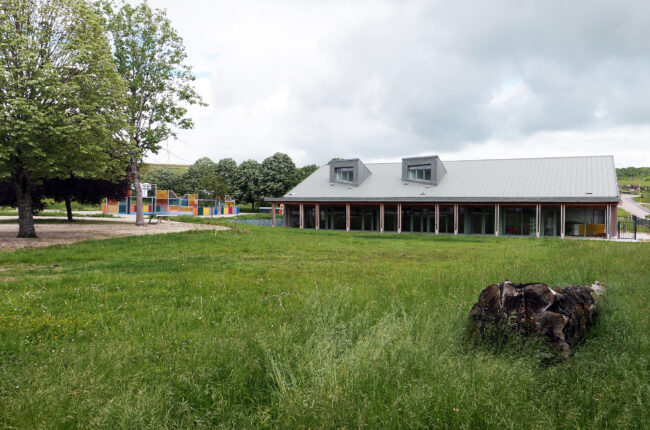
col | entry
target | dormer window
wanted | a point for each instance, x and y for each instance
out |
(428, 170)
(349, 172)
(420, 172)
(344, 174)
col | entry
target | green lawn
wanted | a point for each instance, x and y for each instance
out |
(51, 204)
(260, 327)
(63, 214)
(643, 198)
(622, 213)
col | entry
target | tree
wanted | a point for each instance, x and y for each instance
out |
(165, 179)
(150, 57)
(247, 181)
(85, 191)
(62, 100)
(214, 187)
(302, 173)
(192, 177)
(278, 172)
(227, 168)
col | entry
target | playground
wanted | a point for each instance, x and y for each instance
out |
(167, 203)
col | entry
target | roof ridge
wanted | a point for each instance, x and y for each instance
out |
(506, 159)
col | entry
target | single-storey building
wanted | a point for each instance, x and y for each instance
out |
(559, 197)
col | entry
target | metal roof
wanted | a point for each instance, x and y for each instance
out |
(561, 179)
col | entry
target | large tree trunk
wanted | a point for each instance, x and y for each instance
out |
(25, 208)
(68, 208)
(139, 209)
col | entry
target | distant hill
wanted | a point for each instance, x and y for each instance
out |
(633, 176)
(176, 168)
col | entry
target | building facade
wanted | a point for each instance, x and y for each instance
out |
(541, 197)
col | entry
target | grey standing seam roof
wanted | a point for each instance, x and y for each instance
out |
(561, 179)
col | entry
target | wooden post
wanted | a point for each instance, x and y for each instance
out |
(273, 214)
(301, 216)
(399, 217)
(437, 217)
(455, 218)
(562, 219)
(614, 216)
(317, 216)
(347, 217)
(538, 220)
(381, 217)
(607, 214)
(613, 220)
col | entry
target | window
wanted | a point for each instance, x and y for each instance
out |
(344, 174)
(421, 172)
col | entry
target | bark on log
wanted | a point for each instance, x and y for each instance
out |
(563, 315)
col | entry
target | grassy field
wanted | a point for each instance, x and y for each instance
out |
(643, 198)
(175, 168)
(14, 212)
(51, 204)
(260, 327)
(622, 213)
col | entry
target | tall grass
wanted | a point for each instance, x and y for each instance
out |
(260, 327)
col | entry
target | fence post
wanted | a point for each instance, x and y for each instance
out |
(634, 218)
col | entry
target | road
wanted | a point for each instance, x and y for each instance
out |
(633, 207)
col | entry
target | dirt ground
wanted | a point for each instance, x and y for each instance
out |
(58, 234)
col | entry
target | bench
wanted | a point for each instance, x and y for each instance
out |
(158, 218)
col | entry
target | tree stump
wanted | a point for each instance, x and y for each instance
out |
(563, 315)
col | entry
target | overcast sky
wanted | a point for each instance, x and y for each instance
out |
(379, 80)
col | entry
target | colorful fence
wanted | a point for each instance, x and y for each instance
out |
(166, 202)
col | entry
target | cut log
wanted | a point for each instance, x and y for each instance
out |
(563, 315)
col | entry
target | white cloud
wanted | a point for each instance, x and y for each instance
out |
(382, 79)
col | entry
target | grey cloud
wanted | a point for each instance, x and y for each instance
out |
(382, 79)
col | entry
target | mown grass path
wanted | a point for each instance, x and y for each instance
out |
(261, 327)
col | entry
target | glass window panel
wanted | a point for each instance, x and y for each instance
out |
(420, 172)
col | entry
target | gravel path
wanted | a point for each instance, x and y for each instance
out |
(93, 228)
(633, 207)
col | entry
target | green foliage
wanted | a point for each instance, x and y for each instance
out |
(273, 178)
(214, 187)
(633, 176)
(62, 99)
(165, 179)
(247, 183)
(633, 172)
(193, 177)
(287, 328)
(63, 102)
(150, 56)
(303, 172)
(278, 174)
(226, 169)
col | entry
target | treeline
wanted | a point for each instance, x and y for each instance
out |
(633, 173)
(248, 182)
